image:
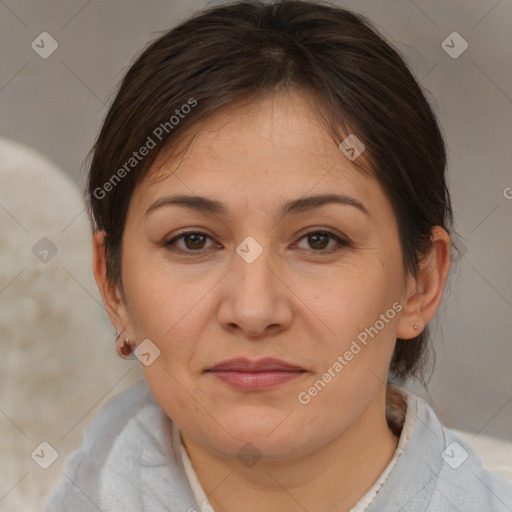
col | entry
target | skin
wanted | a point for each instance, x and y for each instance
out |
(302, 300)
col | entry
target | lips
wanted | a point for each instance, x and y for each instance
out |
(248, 375)
(262, 365)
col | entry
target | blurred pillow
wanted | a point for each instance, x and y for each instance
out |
(58, 365)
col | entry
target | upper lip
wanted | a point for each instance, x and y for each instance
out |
(241, 364)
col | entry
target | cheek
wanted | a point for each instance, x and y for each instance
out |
(161, 296)
(359, 308)
(165, 308)
(353, 295)
(353, 354)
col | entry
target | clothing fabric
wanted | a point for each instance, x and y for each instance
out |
(132, 460)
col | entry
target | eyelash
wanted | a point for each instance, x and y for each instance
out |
(169, 244)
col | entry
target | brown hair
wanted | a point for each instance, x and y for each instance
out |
(248, 48)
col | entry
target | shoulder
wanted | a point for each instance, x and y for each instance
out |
(459, 478)
(127, 443)
(464, 482)
(438, 471)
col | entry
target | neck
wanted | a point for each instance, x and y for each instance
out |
(334, 477)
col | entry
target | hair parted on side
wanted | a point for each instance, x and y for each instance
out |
(251, 48)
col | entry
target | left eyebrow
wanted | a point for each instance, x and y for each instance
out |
(294, 206)
(311, 202)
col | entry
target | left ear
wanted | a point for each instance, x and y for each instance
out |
(425, 291)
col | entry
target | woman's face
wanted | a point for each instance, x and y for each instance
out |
(251, 283)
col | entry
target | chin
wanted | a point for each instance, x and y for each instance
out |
(270, 438)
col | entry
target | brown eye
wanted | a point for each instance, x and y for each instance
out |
(319, 241)
(194, 241)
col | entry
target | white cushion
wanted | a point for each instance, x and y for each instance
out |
(58, 364)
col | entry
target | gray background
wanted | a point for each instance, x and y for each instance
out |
(56, 105)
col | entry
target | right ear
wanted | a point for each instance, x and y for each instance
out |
(109, 292)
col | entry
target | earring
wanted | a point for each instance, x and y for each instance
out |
(125, 349)
(415, 327)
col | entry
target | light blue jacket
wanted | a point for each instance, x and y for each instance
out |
(129, 462)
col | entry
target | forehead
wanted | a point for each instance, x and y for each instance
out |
(272, 148)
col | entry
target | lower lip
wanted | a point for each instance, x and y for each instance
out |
(255, 381)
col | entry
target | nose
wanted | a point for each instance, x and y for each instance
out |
(255, 299)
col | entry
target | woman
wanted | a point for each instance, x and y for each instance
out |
(271, 239)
